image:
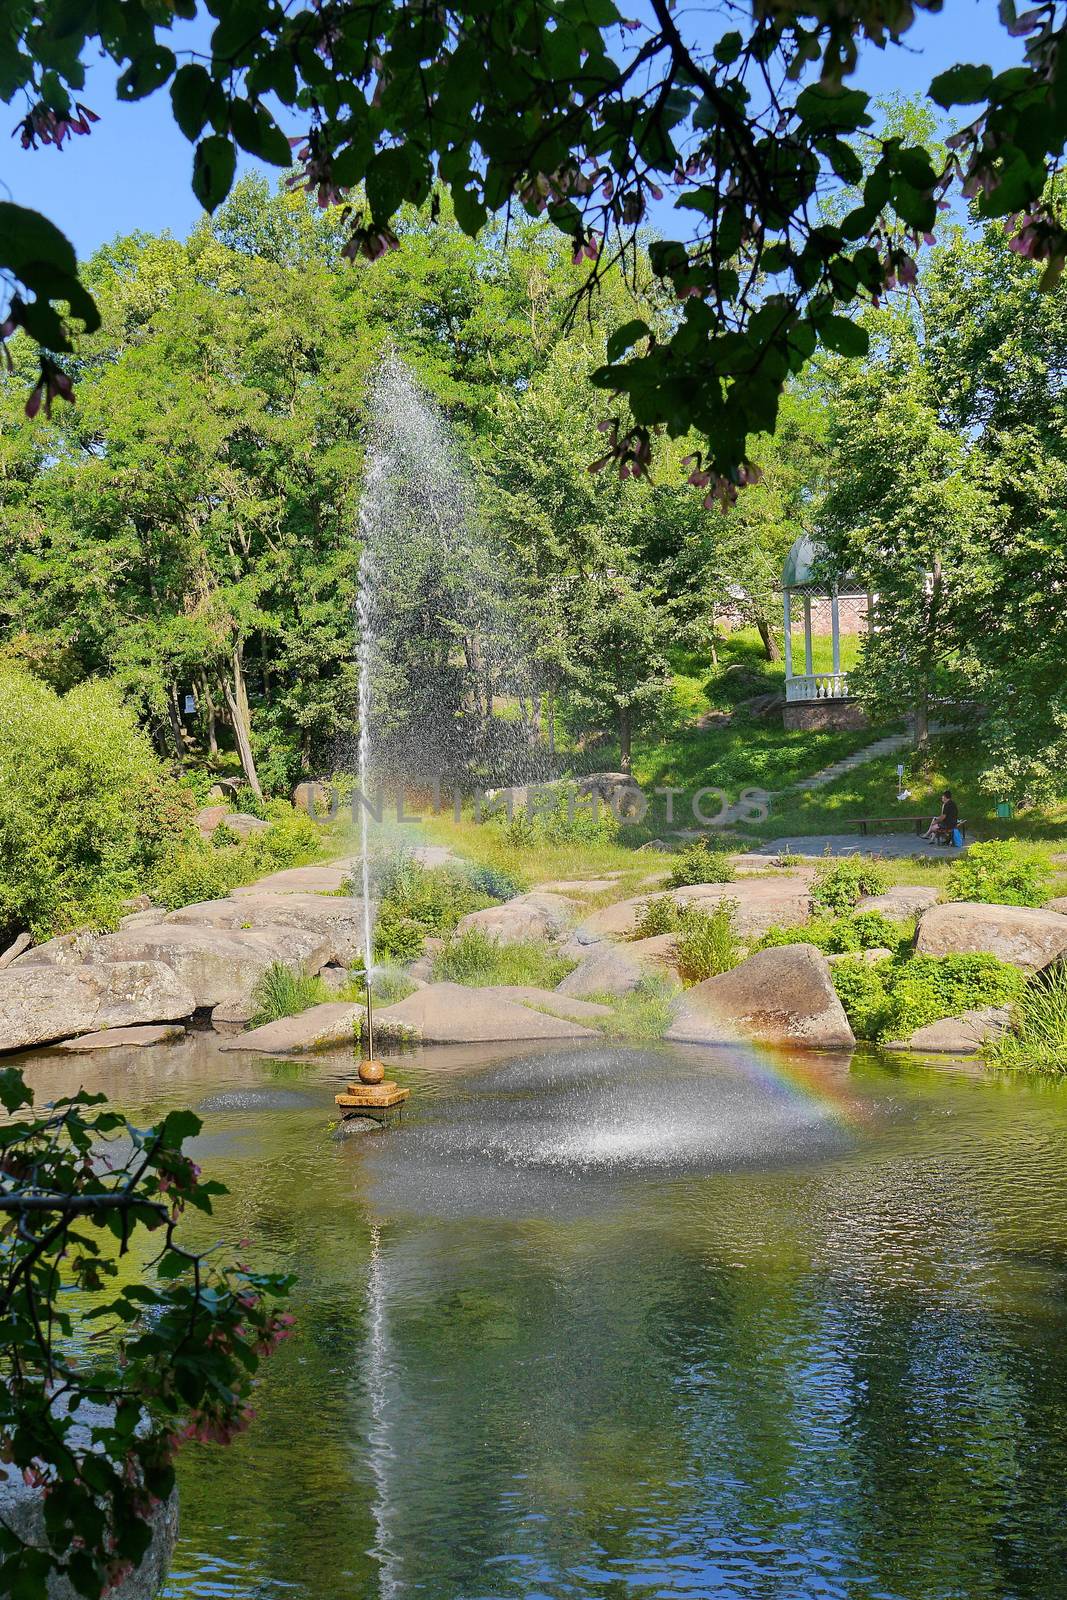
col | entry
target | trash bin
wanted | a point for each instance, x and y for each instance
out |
(1005, 809)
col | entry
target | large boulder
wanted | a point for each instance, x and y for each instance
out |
(216, 964)
(962, 1035)
(782, 996)
(126, 1038)
(328, 877)
(607, 969)
(337, 918)
(550, 1000)
(332, 1023)
(65, 950)
(41, 1004)
(526, 917)
(902, 902)
(1027, 937)
(448, 1013)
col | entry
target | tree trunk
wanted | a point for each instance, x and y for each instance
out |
(770, 643)
(210, 728)
(922, 707)
(177, 732)
(550, 698)
(625, 737)
(237, 701)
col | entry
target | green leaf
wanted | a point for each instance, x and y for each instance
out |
(843, 335)
(195, 98)
(961, 85)
(728, 49)
(257, 132)
(213, 168)
(13, 1090)
(390, 180)
(179, 1125)
(26, 237)
(146, 73)
(823, 106)
(625, 337)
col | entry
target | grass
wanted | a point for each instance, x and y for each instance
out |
(706, 945)
(281, 992)
(472, 958)
(1038, 1037)
(642, 1013)
(388, 985)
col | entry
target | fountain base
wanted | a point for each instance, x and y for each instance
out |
(376, 1098)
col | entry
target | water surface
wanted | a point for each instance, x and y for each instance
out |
(642, 1323)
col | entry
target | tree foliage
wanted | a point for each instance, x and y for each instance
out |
(94, 1422)
(570, 110)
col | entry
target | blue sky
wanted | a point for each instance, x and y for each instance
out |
(133, 171)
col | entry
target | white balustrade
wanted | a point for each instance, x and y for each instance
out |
(817, 686)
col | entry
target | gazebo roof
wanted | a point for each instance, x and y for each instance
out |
(800, 563)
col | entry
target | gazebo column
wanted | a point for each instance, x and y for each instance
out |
(788, 635)
(835, 632)
(808, 667)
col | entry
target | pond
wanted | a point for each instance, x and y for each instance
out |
(648, 1322)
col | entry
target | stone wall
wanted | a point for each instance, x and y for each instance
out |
(819, 714)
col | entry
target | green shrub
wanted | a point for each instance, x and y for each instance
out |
(999, 873)
(196, 869)
(473, 958)
(1038, 1037)
(281, 992)
(86, 809)
(223, 837)
(397, 937)
(661, 914)
(700, 862)
(493, 882)
(435, 898)
(706, 942)
(892, 998)
(861, 991)
(840, 883)
(387, 986)
(858, 930)
(563, 817)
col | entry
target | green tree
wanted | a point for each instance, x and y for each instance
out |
(567, 109)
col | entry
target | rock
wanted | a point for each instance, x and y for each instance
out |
(216, 964)
(151, 918)
(336, 978)
(66, 950)
(351, 1127)
(659, 954)
(901, 902)
(41, 1004)
(606, 969)
(1027, 937)
(335, 918)
(233, 1015)
(619, 790)
(22, 1510)
(126, 1038)
(334, 1022)
(15, 949)
(550, 1000)
(1059, 904)
(434, 855)
(448, 1013)
(962, 1035)
(314, 798)
(243, 824)
(526, 917)
(326, 878)
(782, 996)
(879, 953)
(224, 788)
(653, 844)
(209, 817)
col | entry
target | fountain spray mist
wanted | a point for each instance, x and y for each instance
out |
(442, 647)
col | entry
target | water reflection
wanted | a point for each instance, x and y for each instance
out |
(805, 1341)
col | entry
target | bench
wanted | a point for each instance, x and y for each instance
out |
(920, 824)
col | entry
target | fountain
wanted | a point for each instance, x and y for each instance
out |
(432, 591)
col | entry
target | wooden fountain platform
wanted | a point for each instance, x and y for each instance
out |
(372, 1100)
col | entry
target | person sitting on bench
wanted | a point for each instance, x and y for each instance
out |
(942, 827)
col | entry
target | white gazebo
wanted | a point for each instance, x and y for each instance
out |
(803, 585)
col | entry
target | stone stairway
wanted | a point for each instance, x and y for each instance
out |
(881, 747)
